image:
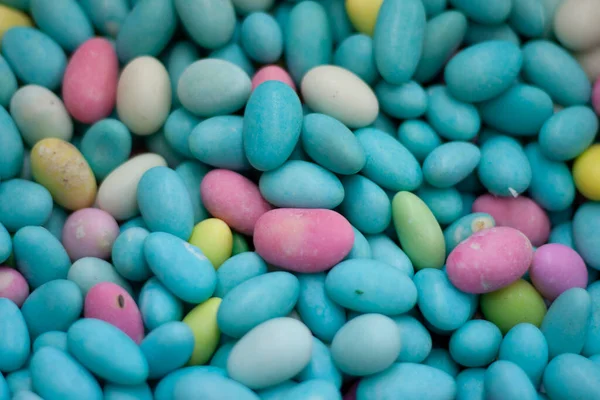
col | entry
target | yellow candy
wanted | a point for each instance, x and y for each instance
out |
(63, 170)
(202, 320)
(363, 14)
(9, 18)
(215, 239)
(586, 173)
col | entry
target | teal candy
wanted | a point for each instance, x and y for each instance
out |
(128, 255)
(8, 83)
(235, 55)
(385, 124)
(490, 13)
(157, 143)
(106, 145)
(272, 123)
(464, 227)
(340, 24)
(552, 185)
(441, 359)
(389, 163)
(387, 251)
(486, 134)
(571, 376)
(434, 7)
(308, 39)
(445, 204)
(568, 133)
(355, 54)
(414, 338)
(477, 33)
(11, 146)
(520, 110)
(211, 386)
(167, 348)
(443, 306)
(505, 380)
(419, 138)
(398, 39)
(18, 381)
(450, 163)
(504, 169)
(57, 376)
(261, 38)
(586, 228)
(451, 118)
(567, 321)
(408, 380)
(122, 392)
(246, 306)
(157, 305)
(147, 29)
(238, 269)
(371, 286)
(165, 390)
(18, 4)
(404, 101)
(14, 347)
(554, 70)
(321, 366)
(219, 359)
(56, 339)
(277, 392)
(210, 23)
(54, 306)
(62, 20)
(192, 173)
(34, 57)
(470, 384)
(468, 200)
(40, 256)
(320, 314)
(89, 271)
(562, 233)
(528, 18)
(493, 67)
(360, 248)
(525, 345)
(5, 244)
(136, 222)
(592, 339)
(107, 16)
(443, 35)
(316, 389)
(181, 267)
(178, 128)
(23, 203)
(365, 205)
(475, 344)
(178, 58)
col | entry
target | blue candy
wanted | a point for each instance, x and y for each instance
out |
(477, 33)
(321, 366)
(365, 204)
(470, 384)
(5, 244)
(158, 305)
(505, 380)
(525, 345)
(387, 251)
(178, 58)
(528, 17)
(18, 381)
(128, 255)
(451, 118)
(14, 347)
(121, 392)
(592, 339)
(210, 23)
(491, 13)
(464, 227)
(568, 133)
(177, 128)
(419, 138)
(165, 390)
(355, 54)
(238, 269)
(89, 271)
(572, 376)
(23, 203)
(415, 339)
(442, 360)
(192, 173)
(586, 233)
(105, 146)
(167, 348)
(475, 344)
(8, 83)
(54, 339)
(63, 20)
(107, 15)
(450, 163)
(261, 38)
(445, 204)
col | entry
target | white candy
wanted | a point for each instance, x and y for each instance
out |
(590, 62)
(577, 24)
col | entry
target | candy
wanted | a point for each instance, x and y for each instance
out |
(585, 169)
(475, 344)
(503, 379)
(415, 340)
(572, 375)
(355, 54)
(386, 250)
(107, 17)
(202, 321)
(12, 17)
(218, 142)
(210, 385)
(11, 147)
(261, 38)
(89, 232)
(158, 305)
(114, 392)
(452, 119)
(591, 347)
(238, 269)
(105, 146)
(419, 138)
(583, 35)
(585, 223)
(321, 366)
(209, 22)
(557, 268)
(525, 346)
(568, 133)
(19, 381)
(445, 204)
(470, 384)
(15, 344)
(214, 238)
(167, 348)
(528, 18)
(363, 14)
(272, 73)
(464, 227)
(13, 286)
(492, 13)
(87, 272)
(23, 203)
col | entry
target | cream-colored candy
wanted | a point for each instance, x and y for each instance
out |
(577, 24)
(590, 62)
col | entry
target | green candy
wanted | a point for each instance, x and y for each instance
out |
(240, 244)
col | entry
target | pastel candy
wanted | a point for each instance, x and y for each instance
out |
(158, 305)
(470, 384)
(210, 23)
(89, 232)
(408, 100)
(192, 173)
(386, 250)
(15, 346)
(23, 203)
(272, 73)
(177, 58)
(140, 392)
(418, 137)
(557, 268)
(107, 17)
(591, 341)
(167, 348)
(526, 346)
(504, 379)
(238, 269)
(567, 133)
(484, 13)
(13, 286)
(211, 385)
(202, 319)
(106, 145)
(261, 37)
(475, 344)
(451, 118)
(321, 366)
(464, 227)
(11, 147)
(87, 272)
(366, 205)
(355, 53)
(315, 388)
(572, 375)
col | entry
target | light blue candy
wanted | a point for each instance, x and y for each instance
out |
(414, 338)
(4, 390)
(26, 395)
(238, 269)
(371, 286)
(18, 381)
(528, 18)
(525, 346)
(128, 255)
(386, 250)
(490, 13)
(235, 55)
(11, 146)
(586, 233)
(261, 38)
(385, 124)
(277, 392)
(135, 222)
(5, 244)
(178, 127)
(167, 348)
(470, 384)
(272, 123)
(23, 203)
(504, 169)
(62, 20)
(14, 347)
(441, 359)
(178, 58)
(360, 248)
(450, 163)
(158, 305)
(209, 387)
(56, 339)
(505, 380)
(321, 366)
(340, 24)
(121, 392)
(452, 119)
(419, 138)
(107, 16)
(468, 200)
(571, 376)
(555, 71)
(165, 390)
(477, 33)
(105, 146)
(210, 23)
(8, 83)
(562, 233)
(445, 204)
(434, 7)
(316, 389)
(404, 101)
(89, 271)
(592, 340)
(219, 359)
(192, 173)
(355, 54)
(475, 344)
(398, 39)
(568, 133)
(366, 205)
(18, 4)
(464, 227)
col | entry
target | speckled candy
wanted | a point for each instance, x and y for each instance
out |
(89, 232)
(13, 286)
(557, 268)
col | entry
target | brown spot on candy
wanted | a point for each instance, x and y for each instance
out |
(121, 301)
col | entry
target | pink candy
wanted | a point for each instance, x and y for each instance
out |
(557, 268)
(13, 286)
(272, 73)
(89, 232)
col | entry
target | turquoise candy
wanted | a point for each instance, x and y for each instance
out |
(567, 321)
(165, 203)
(562, 233)
(320, 314)
(136, 222)
(157, 305)
(434, 7)
(586, 229)
(40, 256)
(62, 20)
(219, 359)
(57, 376)
(272, 123)
(525, 345)
(192, 173)
(105, 146)
(470, 384)
(277, 392)
(11, 146)
(360, 248)
(491, 13)
(89, 271)
(468, 200)
(56, 339)
(398, 39)
(5, 244)
(366, 205)
(18, 4)
(8, 83)
(445, 204)
(475, 344)
(26, 395)
(441, 359)
(520, 110)
(54, 306)
(566, 134)
(389, 163)
(121, 392)
(554, 70)
(415, 339)
(340, 24)
(107, 351)
(387, 251)
(493, 67)
(147, 29)
(157, 143)
(528, 17)
(178, 58)
(321, 366)
(443, 306)
(355, 54)
(385, 124)
(107, 16)
(451, 118)
(308, 39)
(443, 35)
(504, 169)
(15, 343)
(18, 381)
(34, 57)
(211, 386)
(552, 185)
(407, 380)
(450, 163)
(571, 376)
(477, 33)
(235, 55)
(218, 142)
(178, 127)
(167, 348)
(331, 144)
(592, 339)
(505, 380)
(181, 267)
(316, 389)
(166, 387)
(23, 203)
(261, 38)
(246, 307)
(371, 286)
(128, 255)
(238, 269)
(419, 138)
(464, 227)
(404, 101)
(210, 23)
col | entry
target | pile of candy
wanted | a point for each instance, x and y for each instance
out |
(299, 199)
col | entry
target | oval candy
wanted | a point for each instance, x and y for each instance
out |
(23, 203)
(16, 343)
(567, 133)
(158, 305)
(202, 320)
(210, 23)
(525, 345)
(452, 119)
(167, 348)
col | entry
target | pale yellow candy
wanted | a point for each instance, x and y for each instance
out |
(215, 239)
(363, 14)
(62, 169)
(202, 320)
(9, 18)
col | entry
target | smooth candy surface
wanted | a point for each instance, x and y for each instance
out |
(557, 268)
(11, 146)
(321, 366)
(23, 203)
(89, 232)
(384, 249)
(464, 227)
(158, 305)
(475, 344)
(202, 320)
(567, 133)
(504, 379)
(14, 347)
(107, 17)
(13, 286)
(451, 118)
(64, 21)
(415, 340)
(418, 137)
(585, 226)
(105, 146)
(526, 346)
(366, 205)
(261, 38)
(572, 375)
(128, 255)
(272, 73)
(210, 23)
(167, 348)
(404, 101)
(214, 238)
(87, 272)
(450, 163)
(238, 269)
(484, 13)
(355, 53)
